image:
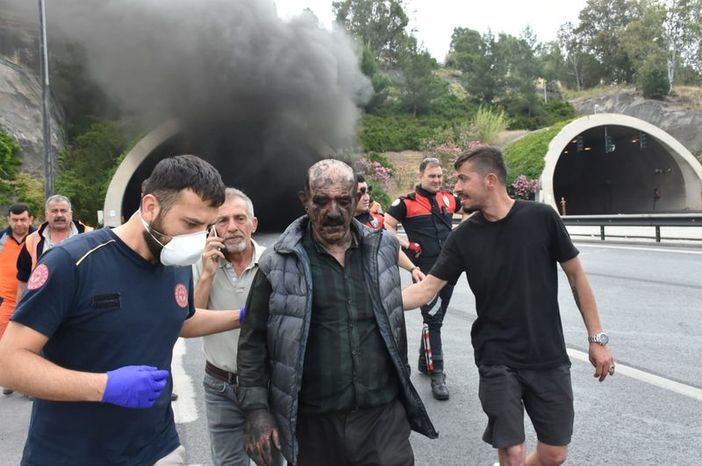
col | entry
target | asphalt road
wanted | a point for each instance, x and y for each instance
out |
(649, 413)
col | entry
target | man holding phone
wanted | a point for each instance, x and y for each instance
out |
(223, 278)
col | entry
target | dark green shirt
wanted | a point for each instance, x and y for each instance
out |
(347, 365)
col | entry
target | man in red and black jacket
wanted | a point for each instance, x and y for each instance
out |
(427, 218)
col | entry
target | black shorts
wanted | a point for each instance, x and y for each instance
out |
(546, 394)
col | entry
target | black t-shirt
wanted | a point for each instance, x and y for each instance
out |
(103, 306)
(511, 268)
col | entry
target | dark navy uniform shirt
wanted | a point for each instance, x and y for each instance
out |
(103, 306)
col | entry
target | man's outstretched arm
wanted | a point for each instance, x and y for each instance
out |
(421, 293)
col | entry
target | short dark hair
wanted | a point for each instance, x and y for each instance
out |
(485, 159)
(428, 161)
(19, 208)
(175, 174)
(360, 178)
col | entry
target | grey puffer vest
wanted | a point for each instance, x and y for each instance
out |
(286, 265)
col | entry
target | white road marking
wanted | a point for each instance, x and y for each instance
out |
(634, 248)
(184, 409)
(655, 380)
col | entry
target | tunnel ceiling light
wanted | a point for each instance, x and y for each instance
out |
(634, 141)
(588, 148)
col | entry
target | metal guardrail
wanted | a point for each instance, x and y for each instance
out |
(629, 220)
(635, 220)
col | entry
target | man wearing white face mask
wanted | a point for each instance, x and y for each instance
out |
(92, 338)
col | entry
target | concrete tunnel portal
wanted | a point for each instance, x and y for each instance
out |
(600, 164)
(271, 176)
(608, 164)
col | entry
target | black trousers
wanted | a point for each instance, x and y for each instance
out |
(433, 315)
(366, 437)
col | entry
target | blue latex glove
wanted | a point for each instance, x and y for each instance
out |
(134, 386)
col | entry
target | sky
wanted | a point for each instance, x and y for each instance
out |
(434, 20)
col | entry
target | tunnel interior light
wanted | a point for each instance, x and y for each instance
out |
(587, 148)
(609, 142)
(634, 141)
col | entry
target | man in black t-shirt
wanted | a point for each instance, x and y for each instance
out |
(509, 250)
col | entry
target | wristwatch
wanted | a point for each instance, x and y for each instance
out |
(601, 338)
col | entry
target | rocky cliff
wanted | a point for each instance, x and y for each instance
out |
(20, 114)
(683, 125)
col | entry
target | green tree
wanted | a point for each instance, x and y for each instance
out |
(420, 87)
(574, 49)
(601, 25)
(378, 24)
(380, 81)
(683, 34)
(652, 77)
(87, 164)
(475, 55)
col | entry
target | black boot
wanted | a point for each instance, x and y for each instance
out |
(438, 385)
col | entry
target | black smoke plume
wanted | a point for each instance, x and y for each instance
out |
(260, 97)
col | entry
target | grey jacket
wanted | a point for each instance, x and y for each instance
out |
(287, 268)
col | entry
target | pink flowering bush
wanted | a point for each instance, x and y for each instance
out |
(374, 171)
(524, 188)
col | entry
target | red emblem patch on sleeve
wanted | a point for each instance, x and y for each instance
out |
(181, 295)
(38, 277)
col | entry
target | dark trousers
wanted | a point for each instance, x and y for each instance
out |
(433, 315)
(365, 437)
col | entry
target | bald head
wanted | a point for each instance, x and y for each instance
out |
(328, 172)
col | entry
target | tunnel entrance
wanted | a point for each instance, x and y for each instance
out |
(614, 164)
(271, 176)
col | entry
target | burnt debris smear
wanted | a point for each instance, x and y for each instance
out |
(259, 97)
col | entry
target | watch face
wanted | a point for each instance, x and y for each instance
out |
(603, 339)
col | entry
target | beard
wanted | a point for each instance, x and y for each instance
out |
(237, 247)
(153, 245)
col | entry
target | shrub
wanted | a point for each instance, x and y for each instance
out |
(396, 133)
(9, 166)
(525, 156)
(652, 79)
(524, 188)
(488, 124)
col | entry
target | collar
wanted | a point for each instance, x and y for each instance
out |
(319, 248)
(46, 229)
(424, 192)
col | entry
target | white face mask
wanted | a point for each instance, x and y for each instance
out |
(181, 250)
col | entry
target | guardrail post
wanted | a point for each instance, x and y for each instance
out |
(658, 234)
(602, 233)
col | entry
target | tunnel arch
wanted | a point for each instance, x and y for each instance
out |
(271, 173)
(612, 163)
(113, 210)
